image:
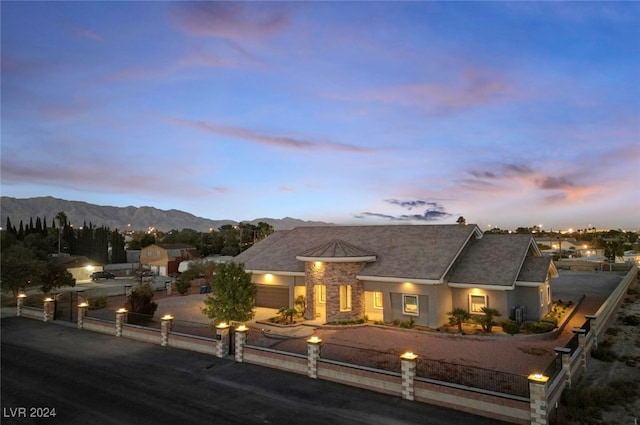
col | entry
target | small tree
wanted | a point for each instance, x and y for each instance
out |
(139, 301)
(486, 321)
(232, 294)
(458, 316)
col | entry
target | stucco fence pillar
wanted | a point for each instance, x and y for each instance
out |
(165, 328)
(313, 354)
(222, 338)
(241, 340)
(408, 368)
(121, 318)
(582, 343)
(538, 399)
(82, 311)
(20, 304)
(48, 309)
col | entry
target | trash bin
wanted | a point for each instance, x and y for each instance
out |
(203, 289)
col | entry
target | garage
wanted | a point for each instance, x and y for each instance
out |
(272, 296)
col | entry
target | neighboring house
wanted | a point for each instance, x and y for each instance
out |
(80, 267)
(400, 272)
(163, 259)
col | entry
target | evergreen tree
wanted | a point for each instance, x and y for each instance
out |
(232, 296)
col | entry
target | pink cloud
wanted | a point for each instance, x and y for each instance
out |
(279, 141)
(85, 33)
(230, 20)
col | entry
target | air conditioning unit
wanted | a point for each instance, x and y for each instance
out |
(520, 315)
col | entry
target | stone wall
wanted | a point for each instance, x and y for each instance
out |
(333, 275)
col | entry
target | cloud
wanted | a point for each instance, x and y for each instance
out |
(278, 141)
(86, 33)
(239, 21)
(435, 213)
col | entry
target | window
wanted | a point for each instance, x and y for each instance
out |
(149, 253)
(345, 297)
(322, 294)
(541, 298)
(377, 300)
(477, 303)
(157, 253)
(548, 294)
(410, 305)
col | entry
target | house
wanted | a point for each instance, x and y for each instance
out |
(163, 259)
(79, 266)
(400, 272)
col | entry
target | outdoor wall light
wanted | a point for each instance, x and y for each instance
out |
(409, 356)
(538, 377)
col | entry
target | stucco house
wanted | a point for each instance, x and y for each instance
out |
(163, 259)
(400, 272)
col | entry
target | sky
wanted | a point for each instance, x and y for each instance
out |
(508, 114)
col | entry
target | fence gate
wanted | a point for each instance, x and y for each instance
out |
(65, 306)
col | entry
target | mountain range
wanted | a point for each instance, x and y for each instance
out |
(122, 218)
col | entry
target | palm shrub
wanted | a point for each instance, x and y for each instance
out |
(486, 320)
(458, 316)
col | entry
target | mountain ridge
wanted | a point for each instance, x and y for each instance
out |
(124, 218)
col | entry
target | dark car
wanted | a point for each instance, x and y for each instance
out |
(102, 275)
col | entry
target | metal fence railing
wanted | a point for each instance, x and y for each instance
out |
(382, 360)
(472, 376)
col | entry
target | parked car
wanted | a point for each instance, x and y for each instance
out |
(102, 275)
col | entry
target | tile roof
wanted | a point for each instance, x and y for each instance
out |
(335, 248)
(535, 269)
(493, 260)
(402, 251)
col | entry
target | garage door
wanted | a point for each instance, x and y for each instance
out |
(272, 296)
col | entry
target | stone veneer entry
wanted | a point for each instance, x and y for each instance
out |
(333, 275)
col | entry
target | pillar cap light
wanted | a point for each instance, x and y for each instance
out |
(242, 328)
(314, 340)
(409, 356)
(22, 295)
(167, 317)
(121, 310)
(85, 304)
(222, 325)
(48, 299)
(538, 377)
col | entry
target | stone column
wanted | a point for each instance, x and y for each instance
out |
(565, 357)
(582, 342)
(222, 338)
(313, 354)
(169, 286)
(49, 305)
(241, 340)
(121, 316)
(20, 304)
(82, 310)
(408, 367)
(538, 399)
(165, 328)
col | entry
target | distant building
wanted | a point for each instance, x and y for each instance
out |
(163, 259)
(79, 266)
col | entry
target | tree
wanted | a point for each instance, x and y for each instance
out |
(461, 220)
(139, 303)
(54, 276)
(20, 269)
(458, 317)
(232, 295)
(486, 321)
(62, 220)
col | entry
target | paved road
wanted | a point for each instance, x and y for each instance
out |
(90, 378)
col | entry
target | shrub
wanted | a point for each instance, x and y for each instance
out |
(604, 354)
(631, 320)
(511, 327)
(139, 301)
(98, 302)
(182, 285)
(537, 327)
(549, 318)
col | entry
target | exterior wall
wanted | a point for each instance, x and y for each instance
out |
(292, 282)
(275, 360)
(440, 305)
(495, 299)
(192, 343)
(357, 377)
(504, 409)
(529, 298)
(97, 325)
(370, 310)
(141, 333)
(153, 255)
(429, 310)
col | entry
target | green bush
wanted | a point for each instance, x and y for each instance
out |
(550, 318)
(98, 302)
(510, 327)
(537, 327)
(182, 285)
(631, 320)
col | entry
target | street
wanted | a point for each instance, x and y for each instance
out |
(87, 377)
